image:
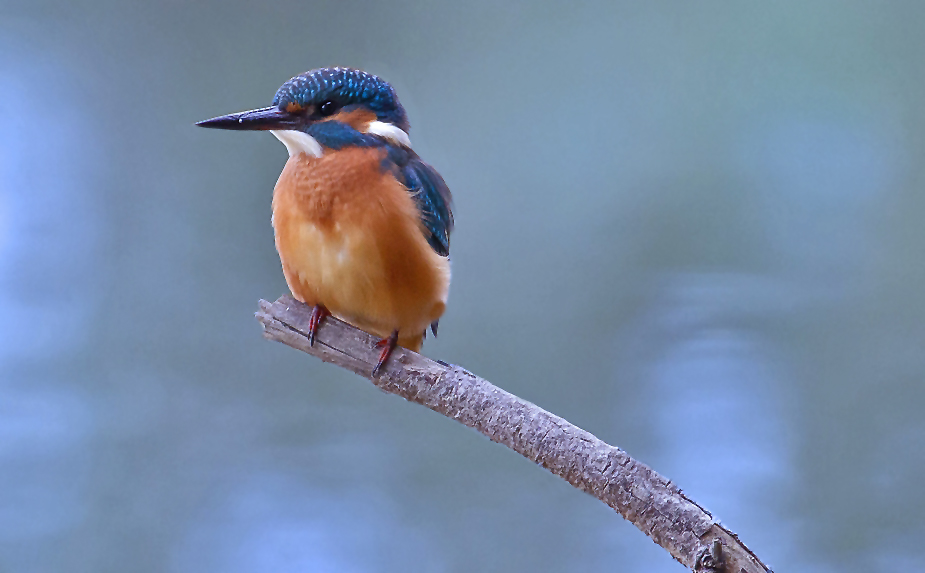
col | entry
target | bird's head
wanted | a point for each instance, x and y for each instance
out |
(337, 97)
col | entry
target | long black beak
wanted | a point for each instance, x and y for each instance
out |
(256, 119)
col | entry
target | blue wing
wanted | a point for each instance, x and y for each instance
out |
(433, 200)
(431, 195)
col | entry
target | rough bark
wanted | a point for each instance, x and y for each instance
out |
(651, 502)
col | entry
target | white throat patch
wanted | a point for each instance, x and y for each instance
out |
(390, 132)
(297, 142)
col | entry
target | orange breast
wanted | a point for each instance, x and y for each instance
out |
(350, 237)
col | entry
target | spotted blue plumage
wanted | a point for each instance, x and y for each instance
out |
(343, 86)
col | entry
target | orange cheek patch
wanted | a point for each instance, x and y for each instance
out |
(293, 107)
(355, 118)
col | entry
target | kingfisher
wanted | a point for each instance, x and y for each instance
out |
(362, 225)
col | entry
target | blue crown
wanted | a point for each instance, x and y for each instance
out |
(345, 87)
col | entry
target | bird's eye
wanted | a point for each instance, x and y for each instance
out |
(327, 108)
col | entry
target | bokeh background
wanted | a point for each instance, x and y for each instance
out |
(692, 228)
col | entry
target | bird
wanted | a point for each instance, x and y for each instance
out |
(362, 225)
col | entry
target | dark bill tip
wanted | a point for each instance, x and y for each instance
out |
(253, 120)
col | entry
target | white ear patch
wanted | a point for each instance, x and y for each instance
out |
(299, 142)
(390, 132)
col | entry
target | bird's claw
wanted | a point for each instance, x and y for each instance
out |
(387, 345)
(319, 313)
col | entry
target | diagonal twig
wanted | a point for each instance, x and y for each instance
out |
(652, 503)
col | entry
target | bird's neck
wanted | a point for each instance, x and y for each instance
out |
(336, 135)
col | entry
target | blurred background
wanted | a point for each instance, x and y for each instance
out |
(693, 229)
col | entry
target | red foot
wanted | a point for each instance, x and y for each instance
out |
(319, 313)
(387, 345)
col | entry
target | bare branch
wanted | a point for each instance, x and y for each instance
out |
(652, 503)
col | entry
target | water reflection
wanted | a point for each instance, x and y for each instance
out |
(267, 522)
(50, 230)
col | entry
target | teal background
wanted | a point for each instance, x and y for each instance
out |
(691, 228)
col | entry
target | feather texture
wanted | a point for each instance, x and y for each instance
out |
(427, 187)
(350, 236)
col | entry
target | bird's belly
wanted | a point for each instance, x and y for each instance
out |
(366, 261)
(347, 271)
